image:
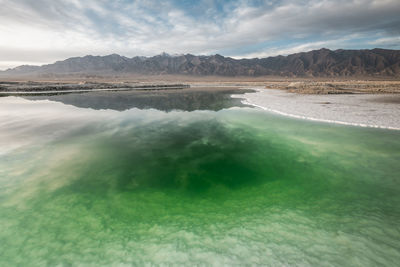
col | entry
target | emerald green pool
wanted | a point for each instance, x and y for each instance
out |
(236, 186)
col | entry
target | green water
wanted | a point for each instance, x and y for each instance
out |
(237, 186)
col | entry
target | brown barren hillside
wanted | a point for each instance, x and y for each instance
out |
(317, 63)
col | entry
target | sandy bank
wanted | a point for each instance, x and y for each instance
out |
(319, 87)
(361, 110)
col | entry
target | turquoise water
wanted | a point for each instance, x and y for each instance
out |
(236, 186)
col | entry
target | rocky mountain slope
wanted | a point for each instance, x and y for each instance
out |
(317, 63)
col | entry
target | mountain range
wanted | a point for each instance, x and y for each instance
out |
(316, 63)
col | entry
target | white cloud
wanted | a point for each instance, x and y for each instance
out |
(45, 31)
(338, 43)
(388, 41)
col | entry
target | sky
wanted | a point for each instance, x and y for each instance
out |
(37, 32)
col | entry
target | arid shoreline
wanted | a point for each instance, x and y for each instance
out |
(301, 85)
(338, 87)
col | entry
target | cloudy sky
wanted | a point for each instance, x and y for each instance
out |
(43, 31)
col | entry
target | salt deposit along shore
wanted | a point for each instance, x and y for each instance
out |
(366, 110)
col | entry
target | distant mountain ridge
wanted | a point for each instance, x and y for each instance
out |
(316, 63)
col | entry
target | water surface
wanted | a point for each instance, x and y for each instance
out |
(234, 186)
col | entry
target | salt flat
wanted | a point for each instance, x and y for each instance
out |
(368, 110)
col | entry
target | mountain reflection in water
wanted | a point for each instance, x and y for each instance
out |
(186, 99)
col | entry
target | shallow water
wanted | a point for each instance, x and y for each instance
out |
(234, 186)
